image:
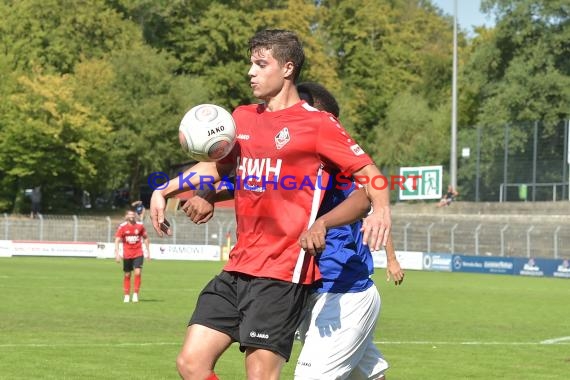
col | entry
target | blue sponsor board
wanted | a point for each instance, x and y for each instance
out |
(559, 268)
(479, 264)
(542, 267)
(438, 262)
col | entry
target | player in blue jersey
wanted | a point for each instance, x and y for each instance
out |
(339, 329)
(339, 326)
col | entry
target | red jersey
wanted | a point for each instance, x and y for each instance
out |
(279, 158)
(132, 235)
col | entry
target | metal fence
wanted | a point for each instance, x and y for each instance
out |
(514, 162)
(427, 233)
(490, 238)
(102, 229)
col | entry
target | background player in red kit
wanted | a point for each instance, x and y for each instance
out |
(282, 146)
(131, 232)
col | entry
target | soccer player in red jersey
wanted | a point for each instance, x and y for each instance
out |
(283, 145)
(132, 233)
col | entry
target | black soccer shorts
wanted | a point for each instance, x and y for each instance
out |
(256, 312)
(130, 264)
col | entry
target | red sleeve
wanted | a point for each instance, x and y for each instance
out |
(338, 149)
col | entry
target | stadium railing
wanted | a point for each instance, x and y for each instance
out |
(522, 236)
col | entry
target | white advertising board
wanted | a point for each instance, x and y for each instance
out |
(5, 248)
(54, 248)
(407, 259)
(185, 252)
(105, 250)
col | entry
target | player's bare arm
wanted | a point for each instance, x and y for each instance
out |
(377, 225)
(210, 170)
(355, 207)
(117, 254)
(393, 269)
(147, 246)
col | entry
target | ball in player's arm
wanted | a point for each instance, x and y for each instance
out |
(132, 234)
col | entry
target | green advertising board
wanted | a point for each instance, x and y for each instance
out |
(422, 182)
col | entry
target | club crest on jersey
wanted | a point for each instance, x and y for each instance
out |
(357, 150)
(282, 138)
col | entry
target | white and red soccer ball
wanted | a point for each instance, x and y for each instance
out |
(207, 132)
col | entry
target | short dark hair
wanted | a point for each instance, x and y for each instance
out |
(319, 97)
(285, 47)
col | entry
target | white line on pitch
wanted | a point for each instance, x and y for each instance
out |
(472, 343)
(556, 340)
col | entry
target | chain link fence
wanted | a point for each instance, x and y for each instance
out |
(102, 229)
(489, 238)
(514, 162)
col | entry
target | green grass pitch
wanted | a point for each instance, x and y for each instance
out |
(63, 318)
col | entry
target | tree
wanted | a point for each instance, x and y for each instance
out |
(117, 105)
(49, 138)
(518, 73)
(8, 85)
(386, 49)
(523, 65)
(144, 102)
(413, 138)
(55, 34)
(204, 46)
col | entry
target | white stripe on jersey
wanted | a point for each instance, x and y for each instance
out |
(310, 108)
(314, 210)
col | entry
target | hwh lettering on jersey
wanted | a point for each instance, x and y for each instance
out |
(256, 172)
(132, 239)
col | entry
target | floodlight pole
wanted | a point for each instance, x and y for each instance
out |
(453, 160)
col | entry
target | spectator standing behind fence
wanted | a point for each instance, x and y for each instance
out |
(448, 197)
(131, 232)
(36, 198)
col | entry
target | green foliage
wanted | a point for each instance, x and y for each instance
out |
(306, 19)
(112, 119)
(49, 133)
(8, 84)
(56, 33)
(413, 138)
(135, 90)
(522, 67)
(516, 74)
(91, 92)
(210, 48)
(384, 49)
